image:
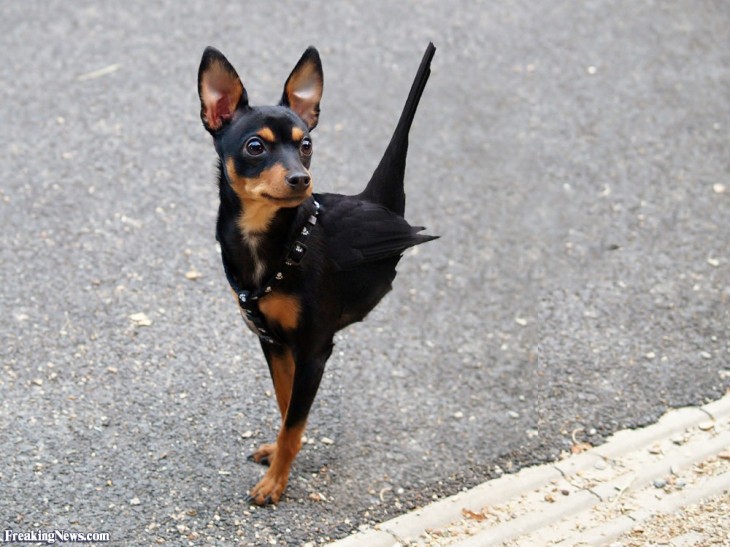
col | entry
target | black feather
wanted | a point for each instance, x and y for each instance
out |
(370, 227)
(386, 184)
(358, 232)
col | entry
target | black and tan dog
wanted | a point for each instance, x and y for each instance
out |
(301, 265)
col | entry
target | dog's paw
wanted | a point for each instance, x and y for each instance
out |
(264, 454)
(269, 490)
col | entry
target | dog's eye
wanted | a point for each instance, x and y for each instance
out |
(306, 146)
(254, 146)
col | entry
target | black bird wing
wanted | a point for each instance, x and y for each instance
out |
(359, 232)
(370, 226)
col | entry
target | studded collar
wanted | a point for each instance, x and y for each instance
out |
(248, 299)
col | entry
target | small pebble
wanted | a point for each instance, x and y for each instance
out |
(718, 188)
(706, 426)
(327, 440)
(659, 483)
(141, 319)
(134, 501)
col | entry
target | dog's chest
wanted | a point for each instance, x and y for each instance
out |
(258, 266)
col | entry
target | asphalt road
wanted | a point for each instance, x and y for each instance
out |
(574, 157)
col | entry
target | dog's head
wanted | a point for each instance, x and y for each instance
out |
(265, 151)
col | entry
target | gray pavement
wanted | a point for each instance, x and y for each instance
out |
(574, 158)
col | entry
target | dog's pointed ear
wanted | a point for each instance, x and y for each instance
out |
(220, 89)
(303, 88)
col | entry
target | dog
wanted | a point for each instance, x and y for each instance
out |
(301, 265)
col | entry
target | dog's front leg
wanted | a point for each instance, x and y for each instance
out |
(280, 360)
(305, 382)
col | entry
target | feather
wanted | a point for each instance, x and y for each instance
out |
(359, 232)
(386, 184)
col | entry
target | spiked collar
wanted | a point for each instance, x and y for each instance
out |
(248, 300)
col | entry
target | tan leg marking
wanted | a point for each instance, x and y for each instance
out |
(264, 454)
(271, 487)
(282, 371)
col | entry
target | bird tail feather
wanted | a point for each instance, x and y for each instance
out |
(386, 185)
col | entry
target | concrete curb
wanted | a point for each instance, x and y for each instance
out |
(554, 502)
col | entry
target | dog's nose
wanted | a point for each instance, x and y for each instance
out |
(298, 181)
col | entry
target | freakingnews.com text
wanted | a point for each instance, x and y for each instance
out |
(50, 537)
